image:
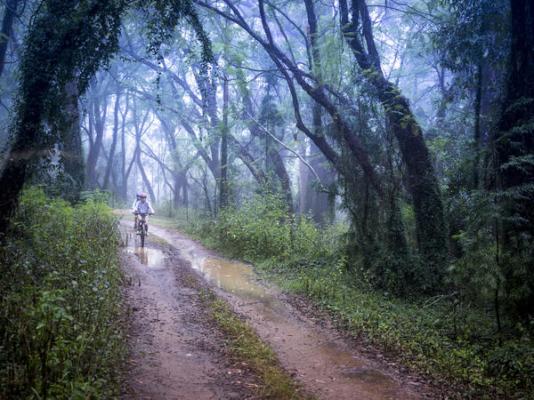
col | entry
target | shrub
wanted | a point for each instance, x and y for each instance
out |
(60, 301)
(261, 230)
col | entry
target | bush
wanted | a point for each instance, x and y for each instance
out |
(60, 301)
(261, 230)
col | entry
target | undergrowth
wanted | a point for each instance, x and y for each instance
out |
(446, 337)
(60, 301)
(431, 336)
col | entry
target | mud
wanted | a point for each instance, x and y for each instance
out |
(325, 364)
(173, 351)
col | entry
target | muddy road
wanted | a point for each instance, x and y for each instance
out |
(172, 347)
(174, 353)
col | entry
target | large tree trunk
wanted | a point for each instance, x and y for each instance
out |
(72, 154)
(422, 182)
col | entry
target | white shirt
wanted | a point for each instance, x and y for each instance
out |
(143, 207)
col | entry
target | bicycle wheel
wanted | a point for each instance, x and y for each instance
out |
(142, 234)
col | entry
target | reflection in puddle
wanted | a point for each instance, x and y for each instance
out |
(340, 356)
(234, 277)
(152, 258)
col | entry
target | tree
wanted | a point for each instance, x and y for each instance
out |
(64, 46)
(7, 26)
(423, 185)
(514, 148)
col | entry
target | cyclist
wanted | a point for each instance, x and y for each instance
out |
(141, 206)
(134, 207)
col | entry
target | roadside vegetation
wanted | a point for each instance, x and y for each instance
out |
(60, 304)
(452, 338)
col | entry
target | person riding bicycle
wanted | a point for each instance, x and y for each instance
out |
(134, 207)
(141, 206)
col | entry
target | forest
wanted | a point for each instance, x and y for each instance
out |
(370, 161)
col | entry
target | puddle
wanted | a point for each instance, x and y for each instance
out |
(234, 277)
(239, 279)
(152, 258)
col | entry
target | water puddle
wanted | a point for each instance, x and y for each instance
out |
(233, 277)
(152, 258)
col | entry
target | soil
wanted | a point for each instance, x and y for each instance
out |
(176, 354)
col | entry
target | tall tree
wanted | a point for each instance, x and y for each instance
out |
(224, 190)
(422, 182)
(114, 140)
(514, 145)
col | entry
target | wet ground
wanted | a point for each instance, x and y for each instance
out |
(325, 364)
(174, 352)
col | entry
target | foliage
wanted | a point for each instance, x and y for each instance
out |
(260, 229)
(471, 33)
(60, 301)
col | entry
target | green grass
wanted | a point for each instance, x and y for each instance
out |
(247, 347)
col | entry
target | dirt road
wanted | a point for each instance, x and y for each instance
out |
(174, 352)
(173, 348)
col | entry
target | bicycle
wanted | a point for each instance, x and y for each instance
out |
(142, 228)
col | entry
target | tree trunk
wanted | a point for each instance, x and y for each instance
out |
(281, 172)
(72, 154)
(477, 134)
(514, 144)
(97, 111)
(144, 176)
(422, 182)
(7, 26)
(319, 201)
(224, 189)
(114, 140)
(124, 175)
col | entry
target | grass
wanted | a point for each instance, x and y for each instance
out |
(247, 347)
